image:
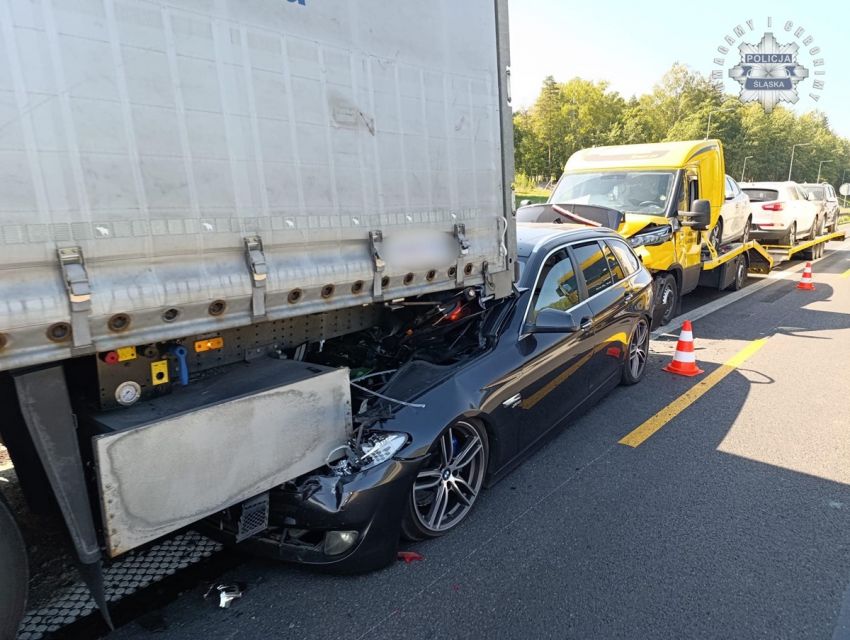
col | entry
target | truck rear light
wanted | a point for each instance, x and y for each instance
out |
(772, 206)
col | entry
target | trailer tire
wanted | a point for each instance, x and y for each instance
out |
(740, 274)
(14, 573)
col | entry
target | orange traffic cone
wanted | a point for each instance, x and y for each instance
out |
(684, 362)
(806, 281)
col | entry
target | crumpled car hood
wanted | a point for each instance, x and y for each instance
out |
(636, 222)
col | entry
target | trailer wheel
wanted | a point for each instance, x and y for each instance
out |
(13, 572)
(740, 274)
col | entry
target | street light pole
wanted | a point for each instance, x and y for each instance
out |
(708, 126)
(793, 149)
(745, 167)
(822, 162)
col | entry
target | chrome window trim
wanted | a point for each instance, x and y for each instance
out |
(589, 298)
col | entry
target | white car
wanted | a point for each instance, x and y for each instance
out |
(735, 218)
(782, 212)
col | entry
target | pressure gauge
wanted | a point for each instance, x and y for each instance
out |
(128, 392)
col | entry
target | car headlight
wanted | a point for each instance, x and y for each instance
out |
(380, 447)
(659, 235)
(375, 448)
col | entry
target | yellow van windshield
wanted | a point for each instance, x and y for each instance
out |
(633, 191)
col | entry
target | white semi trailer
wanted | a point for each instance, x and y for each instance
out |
(194, 196)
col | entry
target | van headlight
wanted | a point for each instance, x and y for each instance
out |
(657, 235)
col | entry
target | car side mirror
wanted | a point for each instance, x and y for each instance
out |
(553, 321)
(524, 203)
(699, 217)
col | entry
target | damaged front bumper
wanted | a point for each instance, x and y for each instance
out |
(349, 523)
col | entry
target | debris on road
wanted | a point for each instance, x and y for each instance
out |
(227, 593)
(409, 556)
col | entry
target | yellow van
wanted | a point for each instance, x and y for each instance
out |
(661, 197)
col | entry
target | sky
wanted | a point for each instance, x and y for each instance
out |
(631, 44)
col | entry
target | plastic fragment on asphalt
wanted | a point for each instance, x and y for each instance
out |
(227, 593)
(409, 556)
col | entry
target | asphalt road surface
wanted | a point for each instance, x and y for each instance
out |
(726, 514)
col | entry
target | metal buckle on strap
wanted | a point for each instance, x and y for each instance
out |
(77, 284)
(378, 263)
(256, 260)
(463, 250)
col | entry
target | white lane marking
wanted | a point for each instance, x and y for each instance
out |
(695, 314)
(675, 324)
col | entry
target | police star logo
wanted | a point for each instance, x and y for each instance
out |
(769, 72)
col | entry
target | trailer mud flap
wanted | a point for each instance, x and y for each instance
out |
(46, 408)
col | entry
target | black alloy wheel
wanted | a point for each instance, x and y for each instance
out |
(745, 236)
(448, 483)
(636, 356)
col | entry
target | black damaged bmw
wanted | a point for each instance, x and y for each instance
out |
(450, 392)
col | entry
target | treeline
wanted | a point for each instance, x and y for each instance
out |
(580, 113)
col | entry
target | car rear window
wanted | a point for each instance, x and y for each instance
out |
(762, 195)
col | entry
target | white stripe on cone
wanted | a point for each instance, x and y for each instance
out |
(685, 356)
(686, 336)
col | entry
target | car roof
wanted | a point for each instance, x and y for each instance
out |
(534, 235)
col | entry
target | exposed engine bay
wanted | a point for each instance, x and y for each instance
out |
(415, 343)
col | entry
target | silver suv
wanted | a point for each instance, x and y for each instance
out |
(824, 195)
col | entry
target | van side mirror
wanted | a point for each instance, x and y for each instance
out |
(699, 218)
(553, 321)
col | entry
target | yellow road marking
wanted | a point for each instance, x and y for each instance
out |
(846, 274)
(644, 431)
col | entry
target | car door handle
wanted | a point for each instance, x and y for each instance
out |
(586, 324)
(628, 297)
(513, 401)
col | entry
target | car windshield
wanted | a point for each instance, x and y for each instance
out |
(817, 193)
(631, 191)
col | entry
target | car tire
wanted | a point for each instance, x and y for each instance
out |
(715, 236)
(637, 354)
(14, 573)
(448, 483)
(790, 237)
(745, 234)
(666, 299)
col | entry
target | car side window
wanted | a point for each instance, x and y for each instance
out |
(557, 285)
(614, 267)
(594, 267)
(628, 260)
(730, 190)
